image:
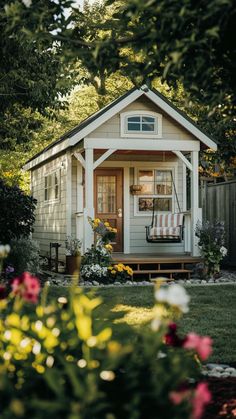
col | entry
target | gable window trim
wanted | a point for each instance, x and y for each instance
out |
(173, 167)
(156, 133)
(54, 187)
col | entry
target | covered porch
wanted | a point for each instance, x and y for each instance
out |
(112, 153)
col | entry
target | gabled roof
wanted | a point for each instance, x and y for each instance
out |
(72, 137)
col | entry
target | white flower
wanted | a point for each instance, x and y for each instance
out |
(223, 251)
(174, 295)
(177, 296)
(4, 250)
(27, 3)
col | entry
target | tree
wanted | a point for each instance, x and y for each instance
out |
(32, 74)
(17, 213)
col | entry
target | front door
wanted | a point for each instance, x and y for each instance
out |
(109, 201)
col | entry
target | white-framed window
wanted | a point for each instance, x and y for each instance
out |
(156, 183)
(52, 186)
(141, 124)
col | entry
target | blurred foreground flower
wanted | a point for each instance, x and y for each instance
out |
(174, 295)
(201, 344)
(27, 287)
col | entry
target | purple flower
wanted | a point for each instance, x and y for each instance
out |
(9, 269)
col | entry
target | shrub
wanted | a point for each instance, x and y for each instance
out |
(17, 213)
(57, 361)
(24, 256)
(211, 242)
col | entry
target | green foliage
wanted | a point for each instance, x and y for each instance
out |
(17, 213)
(32, 74)
(24, 255)
(56, 358)
(211, 242)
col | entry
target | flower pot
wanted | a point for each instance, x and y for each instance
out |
(73, 264)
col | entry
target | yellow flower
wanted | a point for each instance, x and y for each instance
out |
(113, 272)
(114, 230)
(109, 247)
(106, 224)
(119, 269)
(97, 220)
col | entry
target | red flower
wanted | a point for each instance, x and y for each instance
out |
(26, 286)
(201, 398)
(201, 344)
(171, 338)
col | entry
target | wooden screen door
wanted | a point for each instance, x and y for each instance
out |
(109, 201)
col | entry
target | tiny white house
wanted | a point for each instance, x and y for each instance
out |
(127, 164)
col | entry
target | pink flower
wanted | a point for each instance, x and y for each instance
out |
(201, 398)
(27, 287)
(202, 345)
(177, 397)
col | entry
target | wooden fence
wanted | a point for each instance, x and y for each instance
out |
(218, 201)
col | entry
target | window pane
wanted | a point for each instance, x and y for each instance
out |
(56, 191)
(163, 182)
(134, 119)
(148, 119)
(49, 180)
(133, 126)
(45, 195)
(106, 194)
(145, 176)
(146, 179)
(145, 204)
(163, 204)
(148, 127)
(56, 178)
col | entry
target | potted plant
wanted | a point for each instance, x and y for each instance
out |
(73, 255)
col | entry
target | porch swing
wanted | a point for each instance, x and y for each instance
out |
(166, 228)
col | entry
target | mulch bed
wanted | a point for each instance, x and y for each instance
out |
(223, 405)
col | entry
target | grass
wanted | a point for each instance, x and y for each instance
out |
(212, 312)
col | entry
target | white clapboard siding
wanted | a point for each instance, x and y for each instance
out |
(50, 223)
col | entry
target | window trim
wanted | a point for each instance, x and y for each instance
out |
(174, 168)
(140, 134)
(53, 200)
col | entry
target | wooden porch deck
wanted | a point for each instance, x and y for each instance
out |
(152, 265)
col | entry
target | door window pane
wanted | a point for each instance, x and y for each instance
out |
(106, 194)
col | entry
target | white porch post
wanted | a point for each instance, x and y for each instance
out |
(68, 192)
(89, 198)
(194, 202)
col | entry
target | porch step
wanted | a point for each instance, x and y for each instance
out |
(149, 272)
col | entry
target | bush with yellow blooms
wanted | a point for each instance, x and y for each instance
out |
(120, 272)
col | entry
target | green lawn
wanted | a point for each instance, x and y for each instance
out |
(212, 312)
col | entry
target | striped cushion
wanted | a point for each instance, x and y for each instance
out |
(164, 232)
(168, 220)
(167, 226)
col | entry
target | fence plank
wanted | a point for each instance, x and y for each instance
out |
(218, 202)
